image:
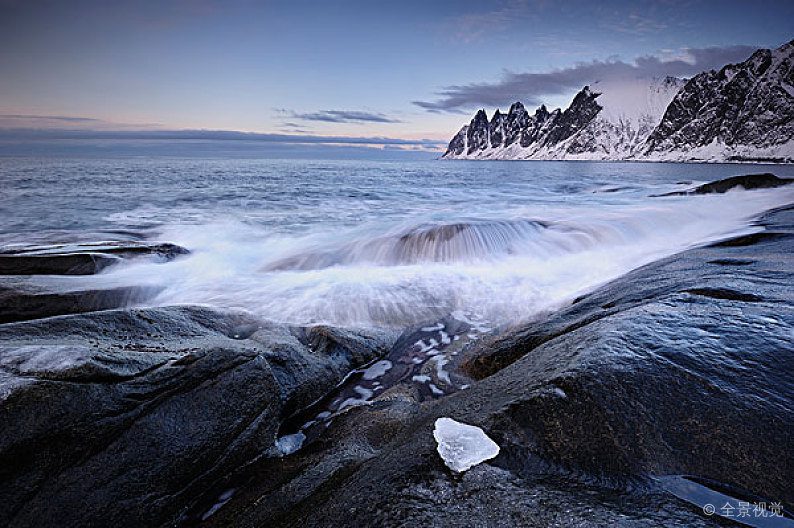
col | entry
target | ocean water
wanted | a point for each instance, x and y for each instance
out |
(378, 243)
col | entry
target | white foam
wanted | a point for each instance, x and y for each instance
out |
(582, 248)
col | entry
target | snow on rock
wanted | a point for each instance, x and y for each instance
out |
(462, 446)
(377, 369)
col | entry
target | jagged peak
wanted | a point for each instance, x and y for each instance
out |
(480, 119)
(584, 96)
(787, 48)
(517, 107)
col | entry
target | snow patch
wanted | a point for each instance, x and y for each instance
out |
(377, 369)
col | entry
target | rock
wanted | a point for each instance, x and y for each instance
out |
(747, 182)
(682, 367)
(79, 259)
(22, 299)
(63, 264)
(679, 371)
(31, 286)
(462, 446)
(130, 413)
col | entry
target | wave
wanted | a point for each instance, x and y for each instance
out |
(447, 243)
(503, 269)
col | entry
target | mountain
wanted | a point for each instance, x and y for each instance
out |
(743, 112)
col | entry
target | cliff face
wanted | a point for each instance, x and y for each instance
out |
(742, 112)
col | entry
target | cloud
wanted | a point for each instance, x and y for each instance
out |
(636, 24)
(34, 117)
(471, 27)
(531, 87)
(34, 134)
(340, 116)
(26, 121)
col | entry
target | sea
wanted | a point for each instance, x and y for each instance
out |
(374, 243)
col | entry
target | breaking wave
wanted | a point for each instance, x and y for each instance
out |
(500, 268)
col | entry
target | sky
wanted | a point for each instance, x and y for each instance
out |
(325, 72)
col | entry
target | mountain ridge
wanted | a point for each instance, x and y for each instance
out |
(741, 112)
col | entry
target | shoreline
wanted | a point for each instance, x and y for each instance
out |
(181, 409)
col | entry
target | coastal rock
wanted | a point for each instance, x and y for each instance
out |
(40, 281)
(682, 367)
(79, 259)
(747, 182)
(63, 264)
(22, 299)
(128, 413)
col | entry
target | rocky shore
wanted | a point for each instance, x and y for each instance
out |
(626, 407)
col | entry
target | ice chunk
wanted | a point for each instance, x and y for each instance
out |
(290, 443)
(462, 446)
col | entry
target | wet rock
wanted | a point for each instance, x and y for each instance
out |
(22, 299)
(80, 258)
(63, 264)
(747, 182)
(41, 281)
(669, 370)
(121, 417)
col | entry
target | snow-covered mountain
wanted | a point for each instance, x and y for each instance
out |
(743, 112)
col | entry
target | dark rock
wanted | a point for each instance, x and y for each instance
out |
(517, 121)
(64, 264)
(752, 239)
(666, 371)
(731, 262)
(23, 299)
(42, 293)
(725, 293)
(79, 259)
(496, 132)
(458, 144)
(747, 182)
(119, 418)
